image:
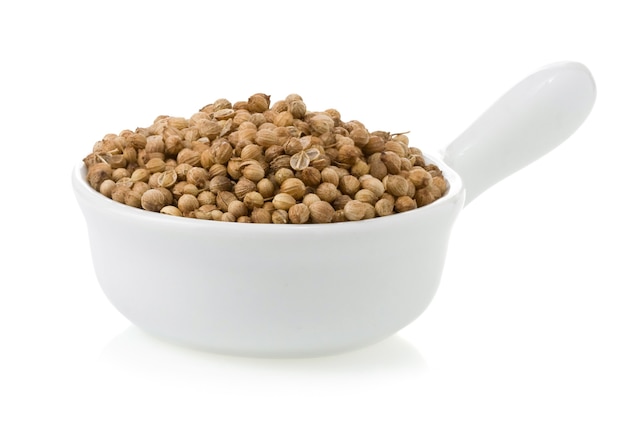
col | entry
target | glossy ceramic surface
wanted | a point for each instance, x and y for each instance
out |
(292, 291)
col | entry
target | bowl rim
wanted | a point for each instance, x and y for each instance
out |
(86, 194)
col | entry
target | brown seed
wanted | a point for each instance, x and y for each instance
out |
(223, 199)
(441, 184)
(297, 108)
(341, 201)
(252, 152)
(181, 171)
(321, 212)
(384, 207)
(366, 196)
(198, 176)
(327, 192)
(167, 179)
(311, 176)
(405, 203)
(266, 138)
(118, 194)
(283, 201)
(419, 177)
(140, 175)
(398, 147)
(374, 144)
(206, 198)
(238, 208)
(360, 168)
(266, 188)
(261, 215)
(223, 151)
(349, 154)
(392, 162)
(378, 169)
(424, 196)
(354, 210)
(397, 185)
(171, 210)
(253, 200)
(220, 184)
(153, 200)
(360, 136)
(321, 123)
(280, 217)
(330, 175)
(188, 156)
(372, 184)
(349, 185)
(98, 173)
(228, 217)
(188, 203)
(258, 103)
(106, 187)
(173, 145)
(309, 198)
(294, 187)
(243, 187)
(252, 170)
(284, 118)
(299, 214)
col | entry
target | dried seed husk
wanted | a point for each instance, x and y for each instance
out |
(167, 179)
(171, 210)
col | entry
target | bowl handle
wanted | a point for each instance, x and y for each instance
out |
(531, 119)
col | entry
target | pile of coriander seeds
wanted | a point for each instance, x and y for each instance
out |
(260, 162)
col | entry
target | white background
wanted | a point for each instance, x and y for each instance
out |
(529, 322)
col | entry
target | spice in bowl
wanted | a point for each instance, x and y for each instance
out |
(257, 162)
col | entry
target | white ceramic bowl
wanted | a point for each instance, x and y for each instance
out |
(309, 290)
